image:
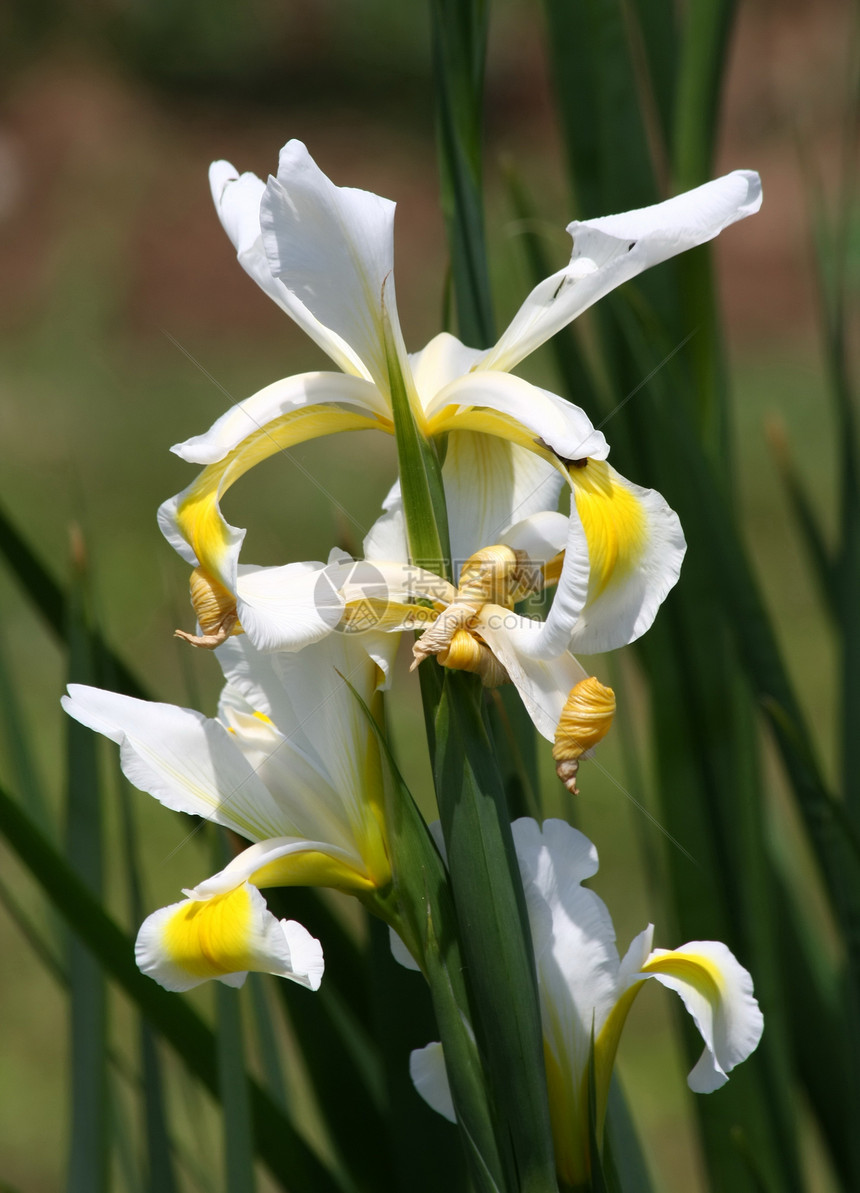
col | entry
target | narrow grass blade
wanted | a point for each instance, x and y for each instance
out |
(621, 1144)
(268, 1048)
(17, 747)
(702, 61)
(421, 486)
(599, 106)
(495, 935)
(89, 1134)
(823, 565)
(46, 595)
(276, 1141)
(459, 52)
(233, 1089)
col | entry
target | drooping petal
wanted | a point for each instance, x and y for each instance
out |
(613, 249)
(489, 484)
(427, 1070)
(277, 412)
(333, 248)
(225, 938)
(278, 417)
(237, 200)
(543, 683)
(509, 407)
(292, 861)
(718, 993)
(635, 549)
(187, 761)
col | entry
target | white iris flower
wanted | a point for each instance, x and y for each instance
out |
(586, 991)
(290, 763)
(325, 255)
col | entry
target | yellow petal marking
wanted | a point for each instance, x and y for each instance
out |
(198, 516)
(568, 1118)
(314, 868)
(614, 524)
(492, 422)
(210, 938)
(700, 972)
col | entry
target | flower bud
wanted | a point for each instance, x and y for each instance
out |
(466, 653)
(215, 608)
(584, 721)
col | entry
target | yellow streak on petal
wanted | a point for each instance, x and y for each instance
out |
(613, 521)
(492, 422)
(568, 1118)
(210, 938)
(198, 517)
(313, 868)
(700, 972)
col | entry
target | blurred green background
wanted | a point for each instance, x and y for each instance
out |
(126, 325)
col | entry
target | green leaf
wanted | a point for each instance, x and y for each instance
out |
(427, 1153)
(233, 1088)
(702, 62)
(420, 476)
(459, 53)
(43, 591)
(495, 936)
(599, 106)
(89, 1134)
(232, 1079)
(420, 908)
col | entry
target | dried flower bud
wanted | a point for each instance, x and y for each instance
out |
(584, 721)
(215, 608)
(466, 653)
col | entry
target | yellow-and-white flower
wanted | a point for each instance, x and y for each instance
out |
(290, 763)
(586, 991)
(325, 254)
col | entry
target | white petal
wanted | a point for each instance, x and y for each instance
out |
(530, 414)
(187, 761)
(386, 538)
(427, 1070)
(237, 931)
(718, 993)
(284, 861)
(257, 414)
(613, 249)
(442, 361)
(574, 939)
(237, 201)
(489, 484)
(333, 249)
(543, 683)
(541, 535)
(286, 608)
(628, 580)
(549, 639)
